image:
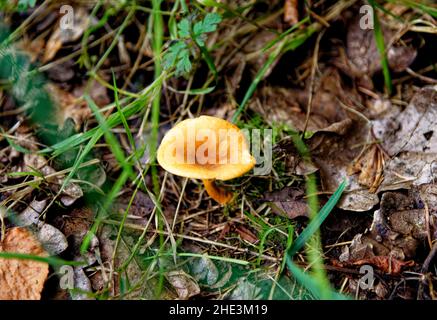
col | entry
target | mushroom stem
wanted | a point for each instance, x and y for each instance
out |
(219, 194)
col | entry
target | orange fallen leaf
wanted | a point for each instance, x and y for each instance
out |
(21, 279)
(386, 264)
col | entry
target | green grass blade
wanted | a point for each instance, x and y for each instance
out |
(315, 224)
(53, 261)
(112, 141)
(157, 42)
(310, 284)
(379, 39)
(122, 117)
(259, 76)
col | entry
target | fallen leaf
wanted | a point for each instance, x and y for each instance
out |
(399, 228)
(253, 54)
(185, 286)
(288, 202)
(106, 237)
(62, 72)
(245, 290)
(96, 90)
(247, 235)
(61, 36)
(69, 194)
(205, 270)
(140, 207)
(288, 105)
(21, 279)
(407, 152)
(370, 167)
(386, 264)
(409, 139)
(362, 59)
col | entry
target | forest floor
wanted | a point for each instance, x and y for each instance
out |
(344, 94)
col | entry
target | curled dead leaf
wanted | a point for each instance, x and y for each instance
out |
(386, 264)
(370, 166)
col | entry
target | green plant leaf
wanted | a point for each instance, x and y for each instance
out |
(379, 39)
(184, 64)
(308, 282)
(184, 28)
(315, 224)
(173, 53)
(25, 4)
(52, 260)
(210, 22)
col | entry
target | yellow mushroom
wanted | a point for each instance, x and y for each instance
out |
(206, 148)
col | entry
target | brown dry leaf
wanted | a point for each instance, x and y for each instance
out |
(75, 226)
(369, 166)
(333, 156)
(62, 72)
(50, 237)
(32, 48)
(22, 279)
(60, 36)
(386, 264)
(96, 90)
(71, 105)
(246, 235)
(407, 138)
(185, 286)
(288, 202)
(396, 9)
(362, 59)
(410, 140)
(291, 12)
(336, 133)
(107, 235)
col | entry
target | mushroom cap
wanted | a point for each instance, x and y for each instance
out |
(205, 148)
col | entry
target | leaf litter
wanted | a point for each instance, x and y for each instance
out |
(385, 145)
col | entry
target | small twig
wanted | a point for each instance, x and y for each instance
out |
(424, 270)
(421, 77)
(311, 87)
